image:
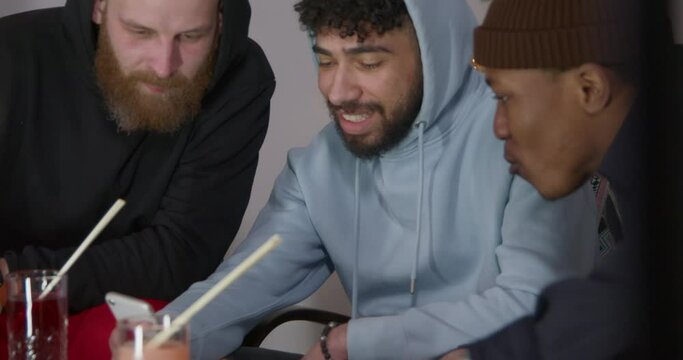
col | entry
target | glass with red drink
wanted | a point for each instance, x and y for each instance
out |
(36, 325)
(131, 337)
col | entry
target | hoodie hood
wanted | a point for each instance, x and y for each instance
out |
(448, 80)
(82, 33)
(446, 52)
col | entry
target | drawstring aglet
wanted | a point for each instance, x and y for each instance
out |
(412, 286)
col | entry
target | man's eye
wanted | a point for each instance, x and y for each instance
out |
(370, 66)
(324, 63)
(141, 32)
(191, 37)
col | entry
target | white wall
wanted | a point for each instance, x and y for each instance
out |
(14, 6)
(479, 8)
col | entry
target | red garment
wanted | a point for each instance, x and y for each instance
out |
(89, 333)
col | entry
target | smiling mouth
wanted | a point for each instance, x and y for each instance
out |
(356, 123)
(353, 117)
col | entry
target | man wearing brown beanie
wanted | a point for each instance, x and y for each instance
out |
(565, 74)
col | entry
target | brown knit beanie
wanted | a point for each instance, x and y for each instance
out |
(518, 34)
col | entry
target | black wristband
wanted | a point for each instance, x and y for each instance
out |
(323, 339)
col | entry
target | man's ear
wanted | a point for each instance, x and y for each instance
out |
(98, 9)
(595, 87)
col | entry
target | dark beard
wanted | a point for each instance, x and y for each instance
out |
(395, 128)
(134, 110)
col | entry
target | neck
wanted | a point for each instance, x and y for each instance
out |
(612, 117)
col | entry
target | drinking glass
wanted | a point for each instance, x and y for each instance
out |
(131, 337)
(36, 322)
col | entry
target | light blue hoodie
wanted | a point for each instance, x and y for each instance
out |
(487, 242)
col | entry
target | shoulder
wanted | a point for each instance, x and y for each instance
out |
(30, 37)
(31, 25)
(257, 61)
(238, 99)
(251, 73)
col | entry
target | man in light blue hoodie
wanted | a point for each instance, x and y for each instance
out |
(405, 195)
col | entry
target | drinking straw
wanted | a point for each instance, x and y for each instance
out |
(185, 317)
(113, 210)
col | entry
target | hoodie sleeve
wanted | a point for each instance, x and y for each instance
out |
(287, 275)
(606, 309)
(542, 242)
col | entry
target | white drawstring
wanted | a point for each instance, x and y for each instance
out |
(354, 291)
(420, 191)
(420, 163)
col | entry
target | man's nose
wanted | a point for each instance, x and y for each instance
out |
(500, 123)
(343, 86)
(166, 59)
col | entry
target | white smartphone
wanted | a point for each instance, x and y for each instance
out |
(124, 306)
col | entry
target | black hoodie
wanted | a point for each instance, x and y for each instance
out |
(63, 162)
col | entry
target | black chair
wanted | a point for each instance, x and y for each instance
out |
(294, 313)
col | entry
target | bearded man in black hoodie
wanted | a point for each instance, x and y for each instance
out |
(164, 103)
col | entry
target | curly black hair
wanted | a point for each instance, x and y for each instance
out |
(351, 17)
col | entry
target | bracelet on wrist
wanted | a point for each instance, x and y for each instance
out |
(323, 339)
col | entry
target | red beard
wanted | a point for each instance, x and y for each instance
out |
(136, 110)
